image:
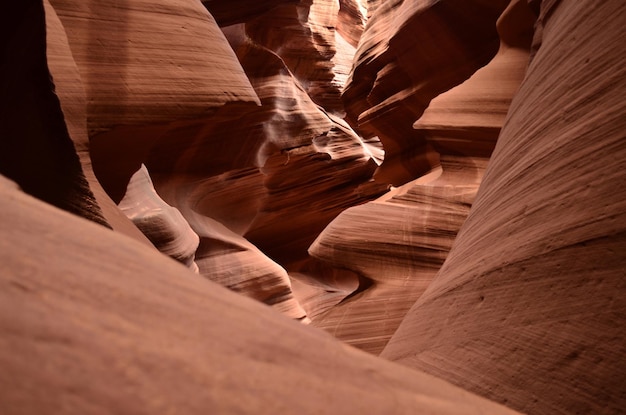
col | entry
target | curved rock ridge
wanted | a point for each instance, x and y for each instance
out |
(259, 172)
(351, 20)
(162, 224)
(467, 119)
(399, 242)
(529, 307)
(94, 322)
(316, 39)
(398, 69)
(227, 258)
(146, 61)
(255, 139)
(69, 89)
(145, 66)
(303, 35)
(36, 148)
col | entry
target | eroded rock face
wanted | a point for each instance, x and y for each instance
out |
(529, 307)
(398, 243)
(410, 52)
(146, 66)
(240, 121)
(36, 150)
(101, 324)
(162, 224)
(244, 134)
(70, 92)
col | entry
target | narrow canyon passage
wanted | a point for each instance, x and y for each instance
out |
(438, 183)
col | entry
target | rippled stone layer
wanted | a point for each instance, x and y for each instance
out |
(529, 307)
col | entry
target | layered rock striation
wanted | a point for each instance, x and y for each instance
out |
(399, 242)
(162, 224)
(94, 322)
(529, 307)
(263, 137)
(231, 123)
(410, 52)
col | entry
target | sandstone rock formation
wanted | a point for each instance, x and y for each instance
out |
(261, 123)
(101, 324)
(397, 73)
(162, 224)
(529, 308)
(146, 65)
(36, 149)
(185, 136)
(399, 242)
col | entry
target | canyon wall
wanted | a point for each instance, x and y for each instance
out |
(399, 242)
(529, 307)
(436, 181)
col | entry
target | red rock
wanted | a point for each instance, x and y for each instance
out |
(162, 224)
(71, 94)
(229, 12)
(145, 64)
(272, 162)
(94, 322)
(399, 69)
(529, 307)
(399, 242)
(36, 149)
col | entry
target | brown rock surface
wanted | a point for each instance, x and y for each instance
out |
(399, 242)
(303, 35)
(240, 123)
(146, 66)
(208, 132)
(227, 258)
(161, 223)
(529, 308)
(399, 69)
(71, 94)
(277, 174)
(93, 322)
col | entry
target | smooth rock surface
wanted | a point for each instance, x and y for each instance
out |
(93, 322)
(146, 66)
(529, 308)
(36, 150)
(161, 223)
(410, 52)
(69, 89)
(227, 258)
(399, 242)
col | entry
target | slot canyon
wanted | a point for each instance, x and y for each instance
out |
(313, 207)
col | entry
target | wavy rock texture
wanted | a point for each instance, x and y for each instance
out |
(259, 173)
(142, 66)
(399, 68)
(162, 224)
(303, 35)
(147, 65)
(399, 242)
(69, 89)
(529, 308)
(226, 257)
(94, 322)
(252, 149)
